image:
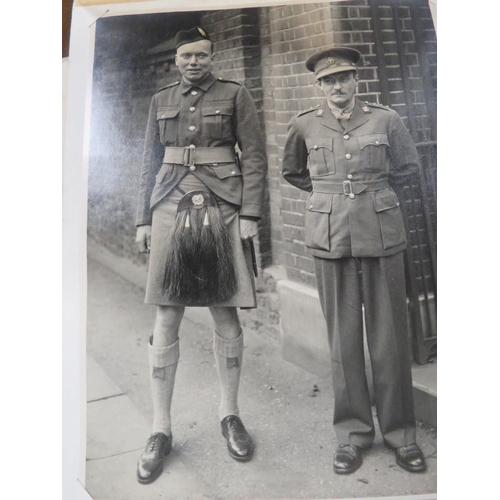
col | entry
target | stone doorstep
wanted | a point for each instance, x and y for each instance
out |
(301, 312)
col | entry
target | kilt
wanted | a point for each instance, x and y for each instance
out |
(163, 223)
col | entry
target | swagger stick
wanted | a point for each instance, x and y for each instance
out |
(254, 260)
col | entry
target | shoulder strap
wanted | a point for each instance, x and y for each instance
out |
(228, 81)
(168, 86)
(309, 110)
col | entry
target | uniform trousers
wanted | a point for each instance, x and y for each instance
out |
(381, 287)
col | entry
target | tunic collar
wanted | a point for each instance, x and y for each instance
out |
(342, 113)
(358, 117)
(203, 85)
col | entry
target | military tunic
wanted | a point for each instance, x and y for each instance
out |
(213, 113)
(363, 217)
(354, 225)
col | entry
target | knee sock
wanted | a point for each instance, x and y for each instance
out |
(228, 358)
(163, 365)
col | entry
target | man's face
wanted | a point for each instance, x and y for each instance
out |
(194, 60)
(339, 88)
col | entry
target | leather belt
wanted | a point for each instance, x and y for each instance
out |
(191, 155)
(349, 188)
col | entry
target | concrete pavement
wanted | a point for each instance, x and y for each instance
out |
(287, 410)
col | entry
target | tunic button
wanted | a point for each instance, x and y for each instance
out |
(315, 146)
(192, 168)
(194, 92)
(348, 156)
(163, 116)
(346, 137)
(192, 109)
(217, 111)
(350, 176)
(310, 207)
(233, 172)
(351, 195)
(377, 142)
(192, 127)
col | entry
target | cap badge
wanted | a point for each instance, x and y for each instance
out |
(331, 62)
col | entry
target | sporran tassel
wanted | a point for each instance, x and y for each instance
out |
(199, 266)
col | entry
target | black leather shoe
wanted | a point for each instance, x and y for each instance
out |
(150, 464)
(239, 443)
(347, 459)
(410, 458)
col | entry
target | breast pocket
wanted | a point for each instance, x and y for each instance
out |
(373, 152)
(317, 223)
(217, 119)
(390, 218)
(321, 160)
(167, 119)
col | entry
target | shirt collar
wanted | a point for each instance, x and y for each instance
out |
(342, 112)
(203, 85)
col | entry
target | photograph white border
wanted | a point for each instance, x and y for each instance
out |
(75, 177)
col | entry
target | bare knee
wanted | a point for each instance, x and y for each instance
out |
(226, 321)
(168, 320)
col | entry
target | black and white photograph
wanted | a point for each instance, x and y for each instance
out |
(260, 259)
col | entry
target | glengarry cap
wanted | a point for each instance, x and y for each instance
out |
(190, 36)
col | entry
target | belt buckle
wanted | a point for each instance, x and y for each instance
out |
(188, 156)
(347, 184)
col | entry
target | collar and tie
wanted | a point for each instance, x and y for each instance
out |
(342, 114)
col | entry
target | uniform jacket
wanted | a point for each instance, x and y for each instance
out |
(212, 113)
(365, 220)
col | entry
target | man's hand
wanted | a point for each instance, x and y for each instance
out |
(248, 229)
(143, 238)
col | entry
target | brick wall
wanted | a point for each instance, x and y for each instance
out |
(236, 37)
(409, 68)
(292, 33)
(265, 49)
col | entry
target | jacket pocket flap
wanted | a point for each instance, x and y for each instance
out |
(385, 200)
(164, 113)
(373, 140)
(319, 143)
(217, 109)
(223, 171)
(319, 202)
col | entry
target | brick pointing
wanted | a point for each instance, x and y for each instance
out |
(236, 37)
(289, 35)
(265, 49)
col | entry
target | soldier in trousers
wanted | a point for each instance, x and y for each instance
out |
(198, 208)
(347, 154)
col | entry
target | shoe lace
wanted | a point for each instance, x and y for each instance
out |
(154, 441)
(235, 425)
